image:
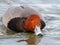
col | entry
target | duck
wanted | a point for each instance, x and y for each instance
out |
(22, 19)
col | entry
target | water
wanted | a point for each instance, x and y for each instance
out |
(49, 9)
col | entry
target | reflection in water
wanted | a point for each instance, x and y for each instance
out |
(33, 40)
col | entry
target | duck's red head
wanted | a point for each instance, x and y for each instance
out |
(31, 22)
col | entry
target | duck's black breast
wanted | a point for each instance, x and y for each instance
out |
(15, 24)
(42, 24)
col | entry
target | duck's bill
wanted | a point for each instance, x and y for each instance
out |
(38, 31)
